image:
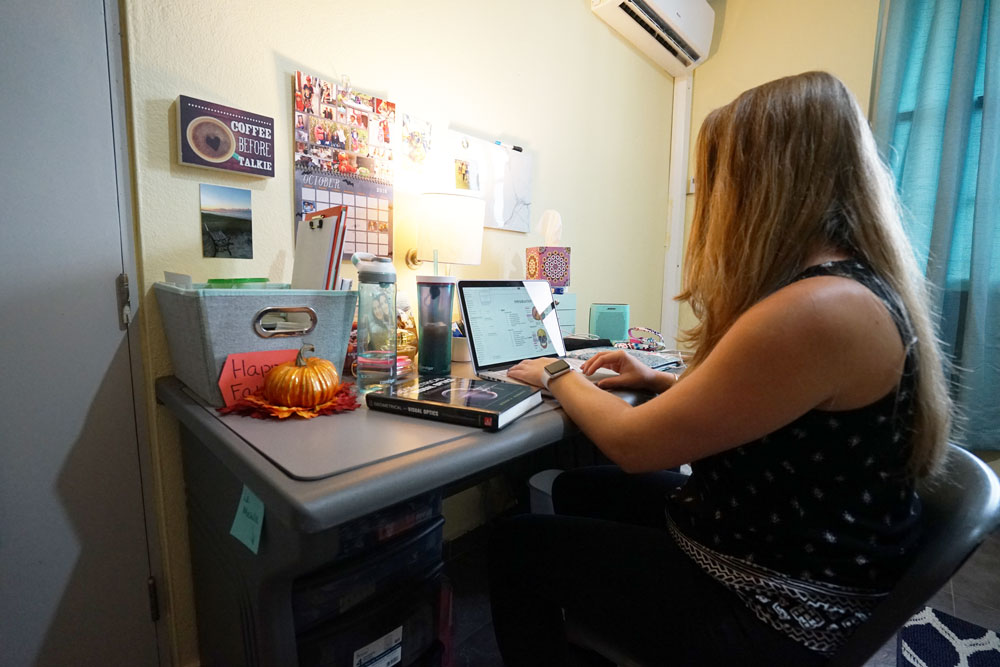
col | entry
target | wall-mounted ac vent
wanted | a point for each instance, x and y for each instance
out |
(676, 34)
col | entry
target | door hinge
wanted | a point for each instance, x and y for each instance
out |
(154, 599)
(124, 301)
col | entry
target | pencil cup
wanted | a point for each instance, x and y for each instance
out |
(435, 295)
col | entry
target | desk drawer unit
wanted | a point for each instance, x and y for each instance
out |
(253, 608)
(400, 628)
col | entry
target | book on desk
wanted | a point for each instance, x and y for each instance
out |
(482, 403)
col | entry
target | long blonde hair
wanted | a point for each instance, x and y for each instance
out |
(785, 170)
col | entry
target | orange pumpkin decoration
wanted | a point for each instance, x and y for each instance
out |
(303, 383)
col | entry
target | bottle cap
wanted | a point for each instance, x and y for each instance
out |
(374, 269)
(436, 280)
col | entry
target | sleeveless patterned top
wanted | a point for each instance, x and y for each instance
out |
(812, 524)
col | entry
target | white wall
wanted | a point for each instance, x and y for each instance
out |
(545, 75)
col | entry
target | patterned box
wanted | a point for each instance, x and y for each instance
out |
(548, 263)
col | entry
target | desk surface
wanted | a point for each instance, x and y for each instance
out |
(393, 457)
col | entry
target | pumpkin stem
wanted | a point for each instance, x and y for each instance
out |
(301, 360)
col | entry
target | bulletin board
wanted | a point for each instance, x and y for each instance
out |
(344, 155)
(498, 172)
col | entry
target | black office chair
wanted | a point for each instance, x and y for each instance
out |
(960, 509)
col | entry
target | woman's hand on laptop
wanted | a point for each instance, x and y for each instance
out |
(632, 373)
(530, 370)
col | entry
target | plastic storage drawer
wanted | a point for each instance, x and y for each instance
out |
(335, 590)
(379, 528)
(400, 628)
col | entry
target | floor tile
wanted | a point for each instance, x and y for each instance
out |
(479, 650)
(978, 580)
(470, 594)
(944, 599)
(885, 656)
(987, 617)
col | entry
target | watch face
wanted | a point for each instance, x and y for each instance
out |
(557, 367)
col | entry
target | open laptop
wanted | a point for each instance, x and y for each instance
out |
(507, 321)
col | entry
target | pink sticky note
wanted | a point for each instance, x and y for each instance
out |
(243, 373)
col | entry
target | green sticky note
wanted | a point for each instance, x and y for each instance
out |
(248, 520)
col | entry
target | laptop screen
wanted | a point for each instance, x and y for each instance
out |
(509, 320)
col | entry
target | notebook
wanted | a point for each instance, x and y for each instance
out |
(507, 321)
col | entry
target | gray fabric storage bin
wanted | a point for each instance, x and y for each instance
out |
(204, 326)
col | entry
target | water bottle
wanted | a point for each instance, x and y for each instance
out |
(376, 320)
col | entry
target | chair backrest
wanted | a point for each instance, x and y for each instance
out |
(960, 508)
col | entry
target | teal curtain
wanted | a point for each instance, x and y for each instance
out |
(936, 117)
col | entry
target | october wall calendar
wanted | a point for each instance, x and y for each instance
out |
(369, 209)
(343, 155)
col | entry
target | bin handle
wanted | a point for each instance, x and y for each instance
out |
(286, 321)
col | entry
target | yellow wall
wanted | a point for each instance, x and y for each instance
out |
(756, 41)
(545, 75)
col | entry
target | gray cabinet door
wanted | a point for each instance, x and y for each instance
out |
(74, 556)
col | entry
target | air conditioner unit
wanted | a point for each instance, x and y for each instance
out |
(676, 34)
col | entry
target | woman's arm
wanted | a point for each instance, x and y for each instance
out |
(824, 342)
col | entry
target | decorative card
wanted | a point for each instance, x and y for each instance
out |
(219, 137)
(243, 373)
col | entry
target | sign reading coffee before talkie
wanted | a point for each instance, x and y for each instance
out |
(220, 137)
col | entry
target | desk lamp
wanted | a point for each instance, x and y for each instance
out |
(449, 230)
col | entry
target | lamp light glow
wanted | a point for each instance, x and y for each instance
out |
(449, 229)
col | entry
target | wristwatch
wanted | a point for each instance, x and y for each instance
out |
(554, 370)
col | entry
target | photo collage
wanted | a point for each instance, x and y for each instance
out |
(343, 155)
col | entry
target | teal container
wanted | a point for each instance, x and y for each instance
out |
(435, 300)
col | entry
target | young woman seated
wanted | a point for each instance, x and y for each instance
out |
(814, 400)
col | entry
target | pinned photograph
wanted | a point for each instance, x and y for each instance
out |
(466, 175)
(226, 222)
(416, 136)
